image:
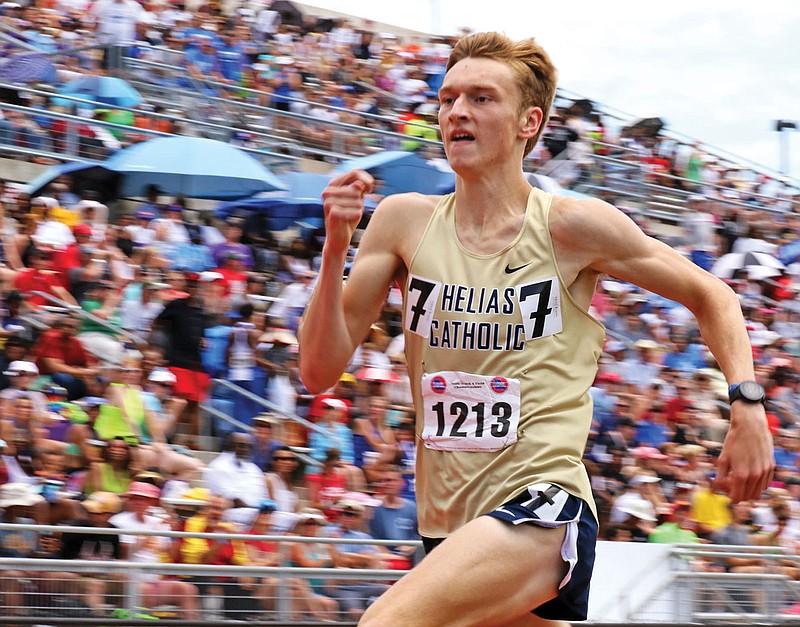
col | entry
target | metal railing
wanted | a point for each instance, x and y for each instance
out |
(75, 310)
(701, 591)
(61, 589)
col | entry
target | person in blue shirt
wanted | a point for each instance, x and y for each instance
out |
(785, 451)
(334, 434)
(396, 517)
(355, 596)
(203, 64)
(652, 429)
(232, 57)
(685, 356)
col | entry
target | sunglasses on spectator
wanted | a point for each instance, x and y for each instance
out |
(350, 514)
(284, 459)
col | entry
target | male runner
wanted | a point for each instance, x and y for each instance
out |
(497, 280)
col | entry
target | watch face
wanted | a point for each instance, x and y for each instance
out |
(751, 391)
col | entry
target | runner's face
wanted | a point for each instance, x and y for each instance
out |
(479, 113)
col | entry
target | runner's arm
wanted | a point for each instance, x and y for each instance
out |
(338, 317)
(604, 240)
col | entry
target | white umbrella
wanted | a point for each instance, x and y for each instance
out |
(756, 265)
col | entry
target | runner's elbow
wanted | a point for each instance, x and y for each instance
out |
(315, 377)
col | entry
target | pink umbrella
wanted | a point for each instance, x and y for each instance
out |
(376, 374)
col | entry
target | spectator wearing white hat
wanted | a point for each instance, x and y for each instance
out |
(639, 496)
(22, 375)
(643, 368)
(308, 523)
(355, 596)
(162, 411)
(165, 408)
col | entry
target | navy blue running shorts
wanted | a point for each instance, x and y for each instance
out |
(549, 506)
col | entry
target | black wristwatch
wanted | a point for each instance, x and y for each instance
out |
(747, 391)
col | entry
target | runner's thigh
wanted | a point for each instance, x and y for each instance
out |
(487, 573)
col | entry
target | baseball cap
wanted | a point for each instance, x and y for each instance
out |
(334, 403)
(209, 276)
(267, 505)
(162, 375)
(81, 229)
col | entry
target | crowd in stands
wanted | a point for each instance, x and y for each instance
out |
(330, 71)
(117, 328)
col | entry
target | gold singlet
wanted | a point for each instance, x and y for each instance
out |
(501, 359)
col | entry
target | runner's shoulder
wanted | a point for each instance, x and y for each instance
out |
(404, 213)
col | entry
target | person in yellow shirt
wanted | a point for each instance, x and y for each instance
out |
(204, 551)
(710, 510)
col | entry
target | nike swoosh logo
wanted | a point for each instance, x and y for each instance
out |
(510, 270)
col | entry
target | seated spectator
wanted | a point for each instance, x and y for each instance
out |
(710, 509)
(19, 503)
(373, 439)
(285, 486)
(191, 256)
(319, 604)
(395, 519)
(83, 434)
(677, 528)
(233, 476)
(40, 278)
(264, 444)
(332, 434)
(59, 354)
(356, 596)
(217, 552)
(102, 299)
(329, 485)
(232, 232)
(115, 472)
(154, 589)
(102, 589)
(266, 553)
(137, 313)
(13, 350)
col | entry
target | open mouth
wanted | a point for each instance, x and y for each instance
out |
(461, 137)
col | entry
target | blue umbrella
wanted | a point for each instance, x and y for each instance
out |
(281, 210)
(107, 90)
(400, 172)
(27, 67)
(192, 166)
(304, 184)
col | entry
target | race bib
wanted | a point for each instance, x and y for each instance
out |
(469, 412)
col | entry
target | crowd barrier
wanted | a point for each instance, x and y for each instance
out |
(633, 584)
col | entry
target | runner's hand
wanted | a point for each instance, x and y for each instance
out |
(344, 205)
(746, 464)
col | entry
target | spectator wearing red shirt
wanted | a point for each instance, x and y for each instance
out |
(40, 278)
(65, 260)
(61, 355)
(234, 277)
